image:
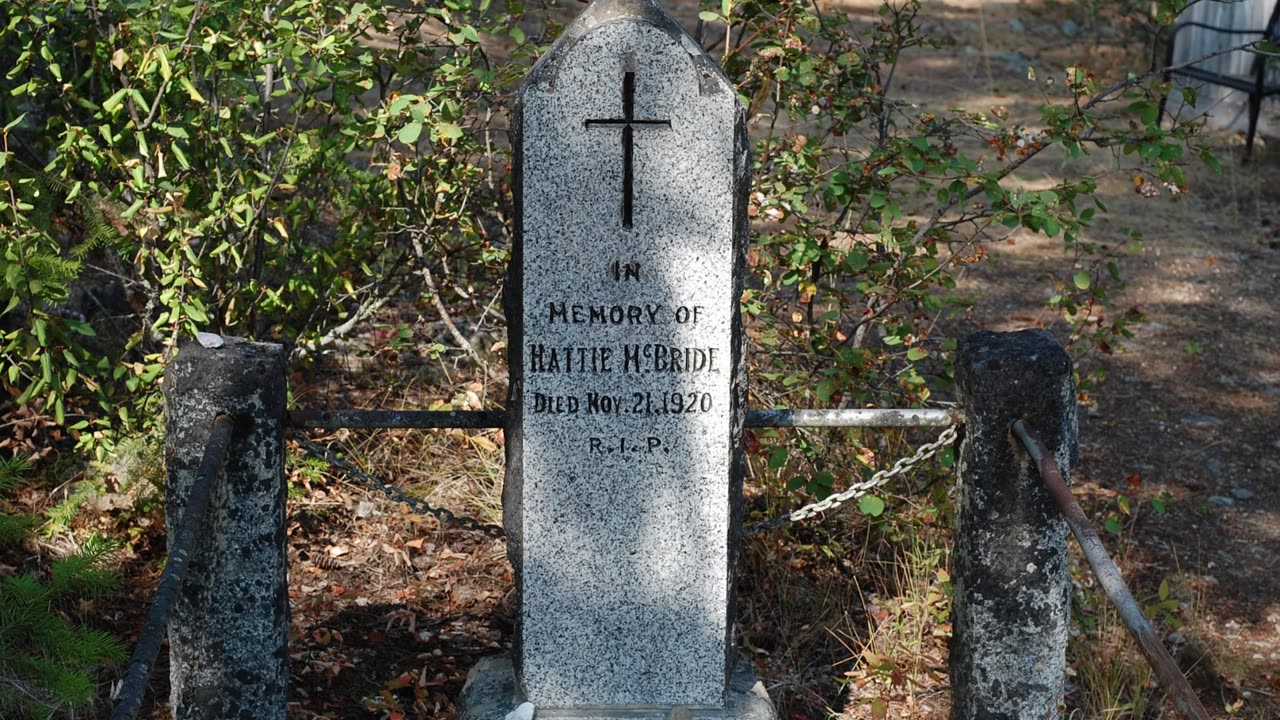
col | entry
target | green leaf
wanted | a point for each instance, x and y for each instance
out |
(1208, 158)
(916, 354)
(449, 131)
(400, 103)
(409, 133)
(1081, 280)
(777, 458)
(825, 389)
(114, 102)
(14, 122)
(871, 505)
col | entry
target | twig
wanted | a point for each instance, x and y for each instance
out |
(425, 270)
(1167, 672)
(362, 313)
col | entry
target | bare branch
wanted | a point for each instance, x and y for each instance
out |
(424, 269)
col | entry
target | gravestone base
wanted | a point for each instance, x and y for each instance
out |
(491, 693)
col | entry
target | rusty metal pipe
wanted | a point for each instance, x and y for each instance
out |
(1167, 672)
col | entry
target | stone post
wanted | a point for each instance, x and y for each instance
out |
(1011, 605)
(228, 634)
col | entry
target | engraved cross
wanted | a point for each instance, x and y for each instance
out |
(628, 121)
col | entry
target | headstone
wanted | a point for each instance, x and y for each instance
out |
(625, 413)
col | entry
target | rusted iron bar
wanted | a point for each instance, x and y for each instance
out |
(144, 653)
(1167, 672)
(413, 419)
(426, 419)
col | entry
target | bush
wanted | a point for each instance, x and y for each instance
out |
(46, 660)
(229, 166)
(261, 169)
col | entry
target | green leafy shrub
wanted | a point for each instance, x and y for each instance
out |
(286, 171)
(245, 167)
(867, 207)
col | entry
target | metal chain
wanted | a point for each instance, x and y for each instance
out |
(831, 502)
(859, 489)
(418, 504)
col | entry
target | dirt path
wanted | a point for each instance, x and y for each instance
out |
(1188, 415)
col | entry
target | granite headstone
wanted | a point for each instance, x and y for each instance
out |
(625, 413)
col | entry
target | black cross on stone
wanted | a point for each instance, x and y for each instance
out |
(628, 121)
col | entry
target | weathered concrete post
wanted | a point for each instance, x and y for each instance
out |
(228, 634)
(1012, 603)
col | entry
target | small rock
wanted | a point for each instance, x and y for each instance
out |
(210, 340)
(1215, 466)
(1071, 28)
(1242, 493)
(1200, 420)
(364, 509)
(1276, 444)
(523, 712)
(1221, 501)
(1017, 26)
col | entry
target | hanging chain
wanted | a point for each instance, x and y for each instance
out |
(831, 502)
(417, 504)
(859, 489)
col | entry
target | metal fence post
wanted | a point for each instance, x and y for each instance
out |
(1011, 610)
(228, 634)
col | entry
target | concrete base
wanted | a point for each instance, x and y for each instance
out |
(491, 694)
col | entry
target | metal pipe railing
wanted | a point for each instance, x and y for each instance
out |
(1167, 672)
(148, 646)
(427, 419)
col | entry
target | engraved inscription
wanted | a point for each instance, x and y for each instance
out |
(628, 122)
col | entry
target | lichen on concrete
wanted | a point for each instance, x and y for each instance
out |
(1011, 607)
(228, 634)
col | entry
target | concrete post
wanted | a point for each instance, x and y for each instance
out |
(1011, 608)
(228, 634)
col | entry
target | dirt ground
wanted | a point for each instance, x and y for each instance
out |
(392, 609)
(1189, 410)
